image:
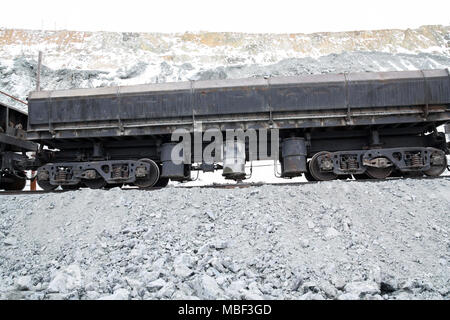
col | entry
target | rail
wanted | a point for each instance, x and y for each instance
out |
(232, 186)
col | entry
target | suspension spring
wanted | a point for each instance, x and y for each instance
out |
(61, 175)
(416, 160)
(116, 172)
(352, 164)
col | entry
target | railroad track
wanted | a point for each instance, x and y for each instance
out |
(231, 186)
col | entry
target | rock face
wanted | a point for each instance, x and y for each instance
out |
(326, 242)
(94, 59)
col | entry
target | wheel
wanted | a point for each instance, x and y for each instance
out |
(307, 174)
(314, 168)
(396, 174)
(437, 170)
(71, 186)
(361, 176)
(379, 173)
(97, 183)
(113, 185)
(45, 185)
(151, 178)
(412, 174)
(162, 182)
(16, 184)
(344, 176)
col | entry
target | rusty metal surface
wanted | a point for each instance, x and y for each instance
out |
(12, 97)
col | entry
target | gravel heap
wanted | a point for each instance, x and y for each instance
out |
(328, 240)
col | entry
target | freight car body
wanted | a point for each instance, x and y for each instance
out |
(13, 148)
(359, 124)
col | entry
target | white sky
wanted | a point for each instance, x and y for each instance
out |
(224, 15)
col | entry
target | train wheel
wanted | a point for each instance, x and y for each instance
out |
(45, 185)
(71, 187)
(314, 169)
(19, 184)
(396, 174)
(436, 170)
(412, 174)
(113, 185)
(361, 176)
(97, 183)
(16, 184)
(162, 182)
(379, 173)
(307, 174)
(151, 178)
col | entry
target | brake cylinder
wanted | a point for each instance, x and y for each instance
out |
(293, 154)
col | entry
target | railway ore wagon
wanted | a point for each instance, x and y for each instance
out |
(13, 148)
(361, 125)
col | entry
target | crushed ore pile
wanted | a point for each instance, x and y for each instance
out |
(328, 240)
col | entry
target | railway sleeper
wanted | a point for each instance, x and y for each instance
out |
(97, 174)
